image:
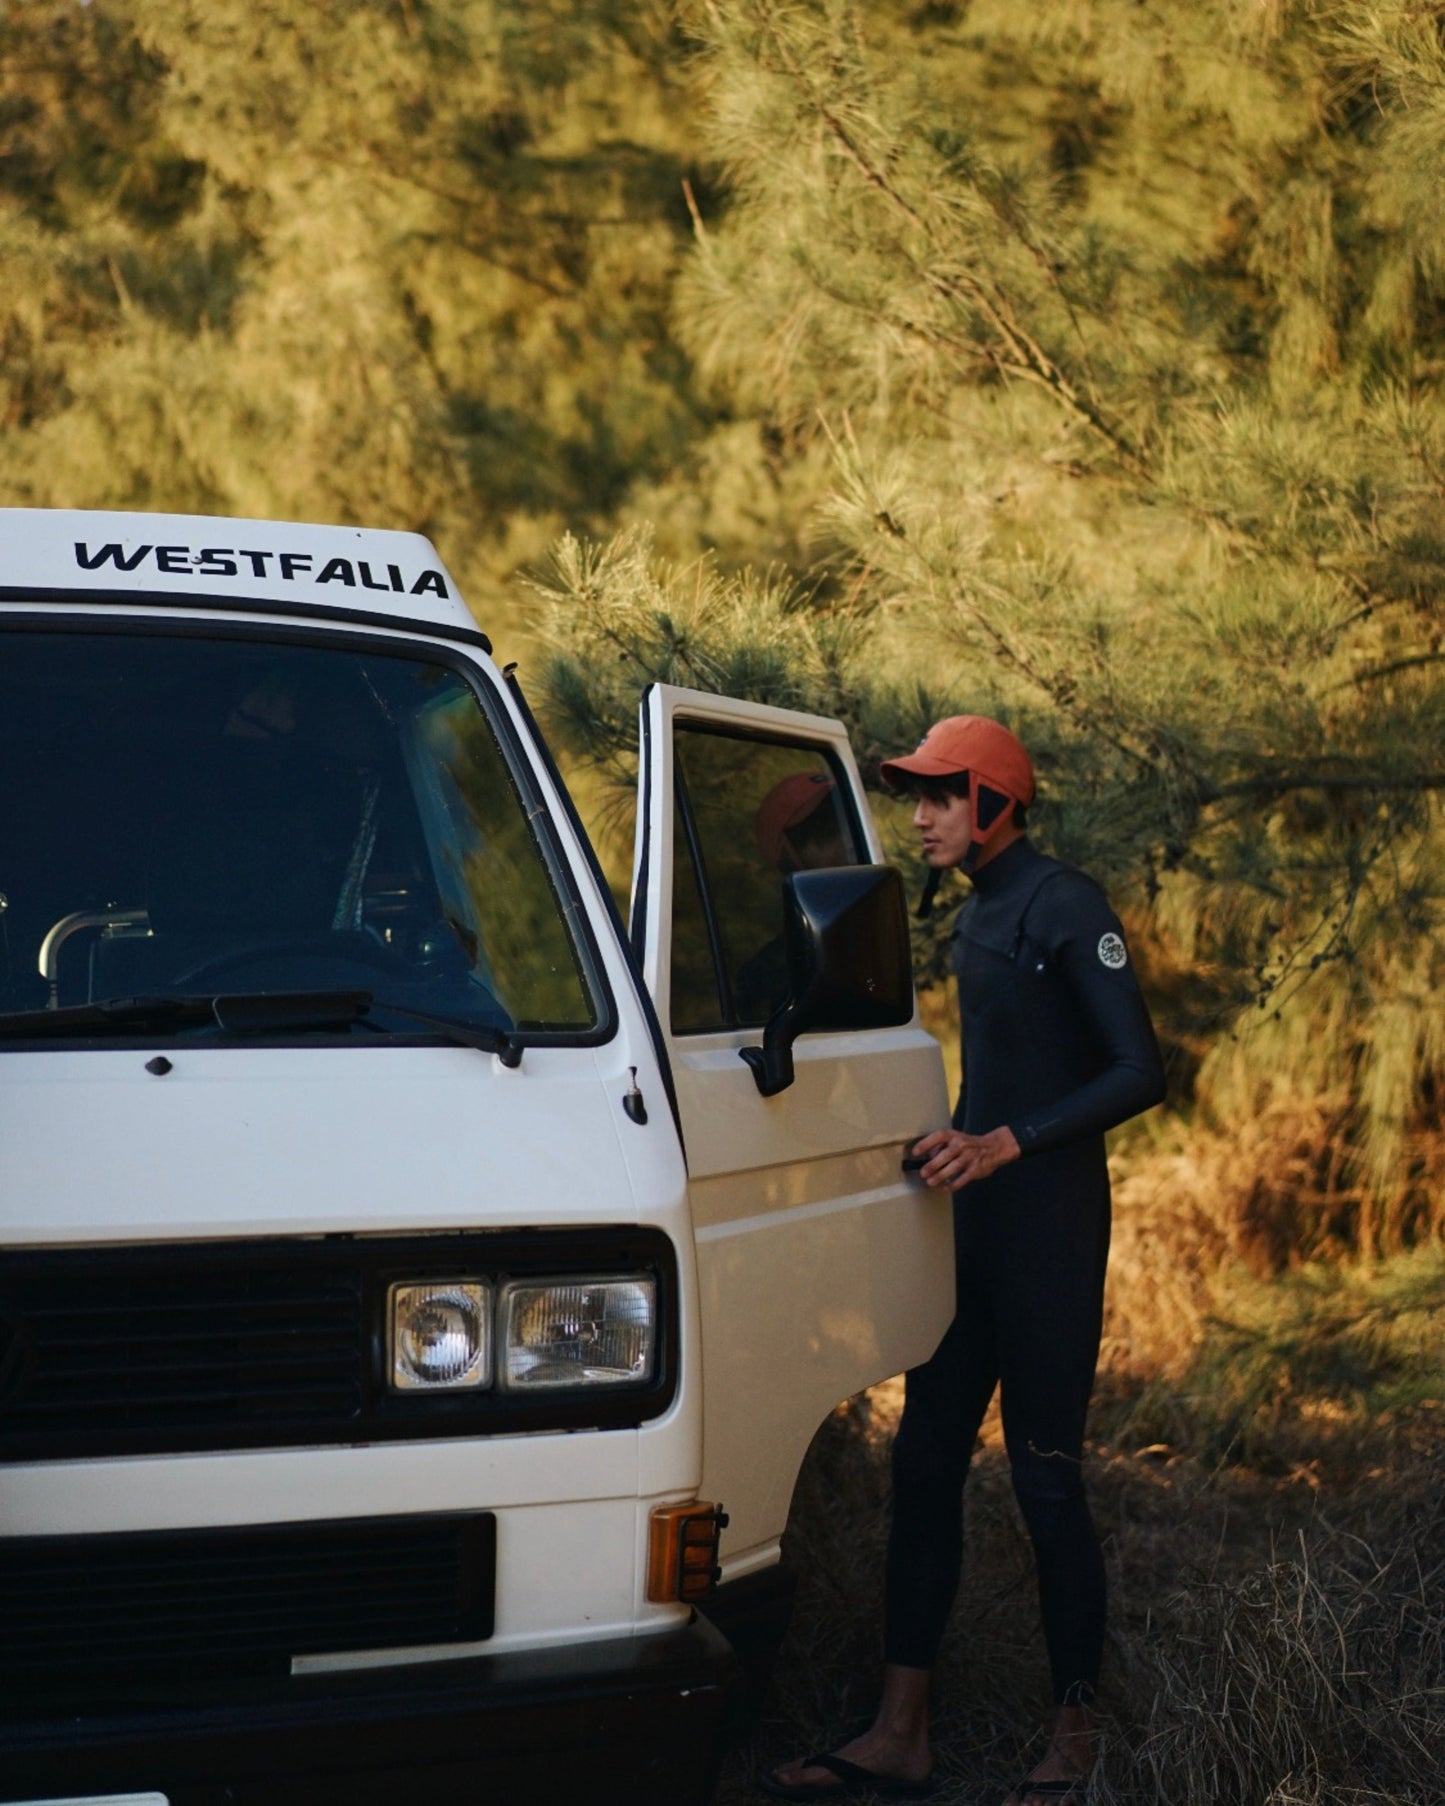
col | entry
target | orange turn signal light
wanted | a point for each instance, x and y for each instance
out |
(682, 1552)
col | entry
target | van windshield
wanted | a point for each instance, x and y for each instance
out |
(183, 817)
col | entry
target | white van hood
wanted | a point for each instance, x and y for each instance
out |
(250, 1141)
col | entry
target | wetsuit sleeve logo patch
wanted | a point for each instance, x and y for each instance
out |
(1112, 952)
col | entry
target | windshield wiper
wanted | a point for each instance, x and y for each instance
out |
(250, 1013)
(259, 1012)
(254, 1013)
(484, 1035)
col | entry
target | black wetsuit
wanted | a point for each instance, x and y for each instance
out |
(1057, 1045)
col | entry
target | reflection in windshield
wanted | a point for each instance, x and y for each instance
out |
(221, 817)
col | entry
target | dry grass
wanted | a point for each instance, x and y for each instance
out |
(1277, 1568)
(1275, 1191)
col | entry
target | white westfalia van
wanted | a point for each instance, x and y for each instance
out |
(403, 1267)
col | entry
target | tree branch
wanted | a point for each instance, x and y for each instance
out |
(1376, 672)
(1284, 783)
(1025, 356)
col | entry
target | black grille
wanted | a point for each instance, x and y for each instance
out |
(132, 1352)
(231, 1345)
(233, 1602)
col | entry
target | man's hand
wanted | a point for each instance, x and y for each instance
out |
(955, 1159)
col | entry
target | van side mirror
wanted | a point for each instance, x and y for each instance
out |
(845, 931)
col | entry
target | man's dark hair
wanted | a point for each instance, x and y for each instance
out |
(955, 784)
(938, 790)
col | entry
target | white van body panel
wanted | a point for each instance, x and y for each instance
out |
(821, 1268)
(240, 1141)
(571, 1527)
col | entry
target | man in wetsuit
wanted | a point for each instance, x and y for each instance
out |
(1057, 1048)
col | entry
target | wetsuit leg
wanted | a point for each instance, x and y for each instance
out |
(1050, 1307)
(944, 1405)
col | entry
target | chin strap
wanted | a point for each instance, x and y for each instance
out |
(930, 891)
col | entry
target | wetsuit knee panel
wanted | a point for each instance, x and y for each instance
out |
(1046, 1477)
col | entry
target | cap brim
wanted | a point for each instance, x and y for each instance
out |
(916, 765)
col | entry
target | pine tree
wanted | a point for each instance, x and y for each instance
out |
(403, 263)
(1121, 330)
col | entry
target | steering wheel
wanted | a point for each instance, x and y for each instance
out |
(355, 950)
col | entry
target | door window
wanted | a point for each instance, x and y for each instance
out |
(747, 812)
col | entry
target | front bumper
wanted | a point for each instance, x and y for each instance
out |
(637, 1721)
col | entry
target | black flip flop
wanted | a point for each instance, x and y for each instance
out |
(1055, 1790)
(853, 1783)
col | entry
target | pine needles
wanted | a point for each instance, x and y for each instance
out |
(1130, 415)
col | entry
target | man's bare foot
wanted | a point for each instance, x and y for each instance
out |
(895, 1746)
(1065, 1769)
(880, 1752)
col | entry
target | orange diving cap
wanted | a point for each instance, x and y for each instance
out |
(967, 743)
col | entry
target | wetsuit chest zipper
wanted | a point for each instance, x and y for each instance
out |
(985, 966)
(1027, 954)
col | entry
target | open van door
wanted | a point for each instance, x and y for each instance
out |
(822, 1267)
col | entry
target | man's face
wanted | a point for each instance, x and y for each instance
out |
(945, 825)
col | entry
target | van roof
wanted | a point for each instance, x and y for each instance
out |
(212, 561)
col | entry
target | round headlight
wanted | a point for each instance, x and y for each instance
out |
(441, 1335)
